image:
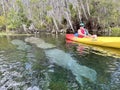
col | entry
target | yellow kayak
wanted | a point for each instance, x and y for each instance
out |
(113, 42)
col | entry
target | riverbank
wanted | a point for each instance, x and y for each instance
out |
(13, 34)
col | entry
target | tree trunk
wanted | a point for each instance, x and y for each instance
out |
(82, 6)
(3, 7)
(79, 11)
(70, 22)
(55, 23)
(68, 17)
(88, 9)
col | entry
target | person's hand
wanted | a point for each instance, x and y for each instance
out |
(94, 37)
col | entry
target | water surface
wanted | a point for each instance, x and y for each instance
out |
(51, 63)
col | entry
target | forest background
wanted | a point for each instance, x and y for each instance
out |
(60, 15)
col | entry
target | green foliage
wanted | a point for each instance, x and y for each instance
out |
(48, 19)
(13, 20)
(19, 3)
(40, 25)
(34, 1)
(47, 23)
(2, 20)
(115, 31)
(72, 10)
(21, 12)
(107, 11)
(48, 8)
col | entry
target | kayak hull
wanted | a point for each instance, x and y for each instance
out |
(113, 42)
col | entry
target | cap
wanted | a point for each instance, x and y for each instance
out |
(81, 24)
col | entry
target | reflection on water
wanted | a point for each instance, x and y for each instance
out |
(104, 51)
(113, 65)
(115, 76)
(34, 64)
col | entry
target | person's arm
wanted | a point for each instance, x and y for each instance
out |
(87, 33)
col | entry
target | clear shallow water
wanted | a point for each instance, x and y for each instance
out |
(67, 66)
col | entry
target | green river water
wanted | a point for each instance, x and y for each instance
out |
(49, 62)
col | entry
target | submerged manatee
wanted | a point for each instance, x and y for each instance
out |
(39, 43)
(21, 44)
(64, 60)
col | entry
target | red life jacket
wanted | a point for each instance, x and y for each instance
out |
(83, 32)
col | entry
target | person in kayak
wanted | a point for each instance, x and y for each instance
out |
(83, 32)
